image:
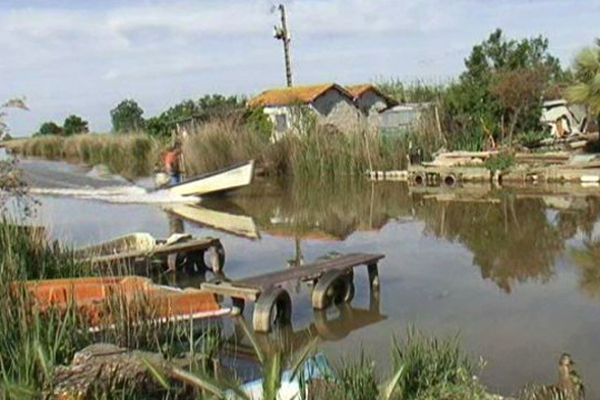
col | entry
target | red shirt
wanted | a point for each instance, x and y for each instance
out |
(172, 161)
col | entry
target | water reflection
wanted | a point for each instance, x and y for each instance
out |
(587, 260)
(332, 325)
(515, 235)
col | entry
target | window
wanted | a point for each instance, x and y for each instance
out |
(281, 122)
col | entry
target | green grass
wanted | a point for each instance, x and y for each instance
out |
(315, 153)
(432, 367)
(33, 343)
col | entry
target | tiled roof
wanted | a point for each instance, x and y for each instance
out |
(294, 95)
(359, 90)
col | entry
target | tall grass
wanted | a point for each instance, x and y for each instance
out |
(130, 155)
(34, 342)
(29, 342)
(433, 367)
(220, 143)
(315, 153)
(424, 368)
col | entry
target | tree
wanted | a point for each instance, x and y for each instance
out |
(586, 90)
(49, 128)
(204, 109)
(74, 125)
(517, 91)
(479, 101)
(127, 116)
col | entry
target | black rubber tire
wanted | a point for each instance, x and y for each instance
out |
(273, 307)
(217, 258)
(419, 179)
(194, 262)
(333, 287)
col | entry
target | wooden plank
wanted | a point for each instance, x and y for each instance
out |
(231, 290)
(310, 271)
(467, 154)
(161, 250)
(190, 245)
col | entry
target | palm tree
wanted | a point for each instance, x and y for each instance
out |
(587, 74)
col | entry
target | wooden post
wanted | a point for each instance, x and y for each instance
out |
(282, 33)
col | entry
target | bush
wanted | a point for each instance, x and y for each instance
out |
(74, 125)
(500, 162)
(431, 366)
(49, 128)
(127, 116)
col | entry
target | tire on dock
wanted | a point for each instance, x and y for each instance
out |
(333, 287)
(273, 307)
(419, 179)
(217, 257)
(450, 180)
(194, 262)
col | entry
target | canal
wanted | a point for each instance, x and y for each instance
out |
(514, 272)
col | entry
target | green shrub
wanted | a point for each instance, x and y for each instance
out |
(500, 162)
(430, 365)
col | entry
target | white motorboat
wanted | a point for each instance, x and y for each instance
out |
(223, 180)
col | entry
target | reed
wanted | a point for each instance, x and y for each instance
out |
(434, 368)
(33, 342)
(220, 143)
(315, 153)
(130, 155)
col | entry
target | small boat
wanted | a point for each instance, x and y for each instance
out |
(96, 298)
(223, 180)
(142, 248)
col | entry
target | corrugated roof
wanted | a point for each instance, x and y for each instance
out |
(294, 95)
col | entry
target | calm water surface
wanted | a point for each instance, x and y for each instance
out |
(515, 271)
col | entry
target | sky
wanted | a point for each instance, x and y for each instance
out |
(83, 57)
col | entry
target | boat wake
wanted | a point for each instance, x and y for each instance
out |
(117, 194)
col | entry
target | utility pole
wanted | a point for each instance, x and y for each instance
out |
(282, 33)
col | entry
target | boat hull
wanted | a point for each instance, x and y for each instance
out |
(216, 182)
(92, 298)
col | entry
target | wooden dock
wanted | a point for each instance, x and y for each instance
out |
(451, 176)
(188, 254)
(333, 282)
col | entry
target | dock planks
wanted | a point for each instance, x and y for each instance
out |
(333, 279)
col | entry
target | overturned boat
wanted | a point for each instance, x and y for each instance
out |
(101, 301)
(223, 180)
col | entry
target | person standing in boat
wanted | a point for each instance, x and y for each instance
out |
(172, 162)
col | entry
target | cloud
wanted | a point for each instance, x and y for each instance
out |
(82, 57)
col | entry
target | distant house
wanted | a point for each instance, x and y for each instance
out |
(404, 118)
(369, 99)
(330, 103)
(372, 103)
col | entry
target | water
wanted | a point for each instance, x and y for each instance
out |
(514, 271)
